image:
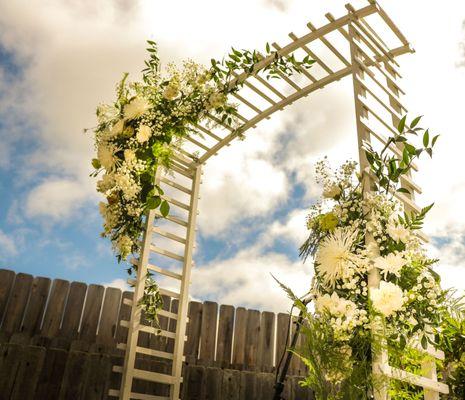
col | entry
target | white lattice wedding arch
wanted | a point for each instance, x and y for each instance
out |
(363, 44)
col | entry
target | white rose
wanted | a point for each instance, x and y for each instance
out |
(392, 264)
(136, 108)
(332, 191)
(143, 134)
(388, 298)
(171, 91)
(398, 232)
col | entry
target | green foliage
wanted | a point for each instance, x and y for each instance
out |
(415, 221)
(389, 167)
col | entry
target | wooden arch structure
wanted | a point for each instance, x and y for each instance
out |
(363, 44)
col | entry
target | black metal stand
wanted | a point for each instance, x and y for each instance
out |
(279, 385)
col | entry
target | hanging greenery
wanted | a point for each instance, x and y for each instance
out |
(148, 121)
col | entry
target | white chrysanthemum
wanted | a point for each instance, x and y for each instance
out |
(334, 255)
(136, 108)
(143, 134)
(106, 156)
(398, 232)
(332, 191)
(391, 264)
(106, 183)
(388, 298)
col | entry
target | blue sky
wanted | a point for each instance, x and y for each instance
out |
(58, 60)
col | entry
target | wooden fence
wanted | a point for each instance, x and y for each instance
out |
(59, 341)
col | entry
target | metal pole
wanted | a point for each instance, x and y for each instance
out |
(279, 385)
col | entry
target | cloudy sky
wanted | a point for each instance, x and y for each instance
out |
(59, 59)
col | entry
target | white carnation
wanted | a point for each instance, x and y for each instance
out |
(391, 264)
(388, 298)
(398, 232)
(143, 134)
(136, 108)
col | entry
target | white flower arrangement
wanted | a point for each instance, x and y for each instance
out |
(352, 232)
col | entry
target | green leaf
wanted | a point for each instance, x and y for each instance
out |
(415, 122)
(433, 142)
(153, 202)
(267, 47)
(402, 342)
(403, 190)
(401, 125)
(96, 163)
(424, 342)
(164, 208)
(411, 149)
(426, 138)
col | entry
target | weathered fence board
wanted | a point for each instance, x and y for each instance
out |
(208, 336)
(17, 303)
(55, 308)
(225, 336)
(73, 310)
(230, 352)
(36, 306)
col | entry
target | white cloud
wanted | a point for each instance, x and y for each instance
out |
(118, 283)
(293, 229)
(8, 246)
(55, 199)
(246, 280)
